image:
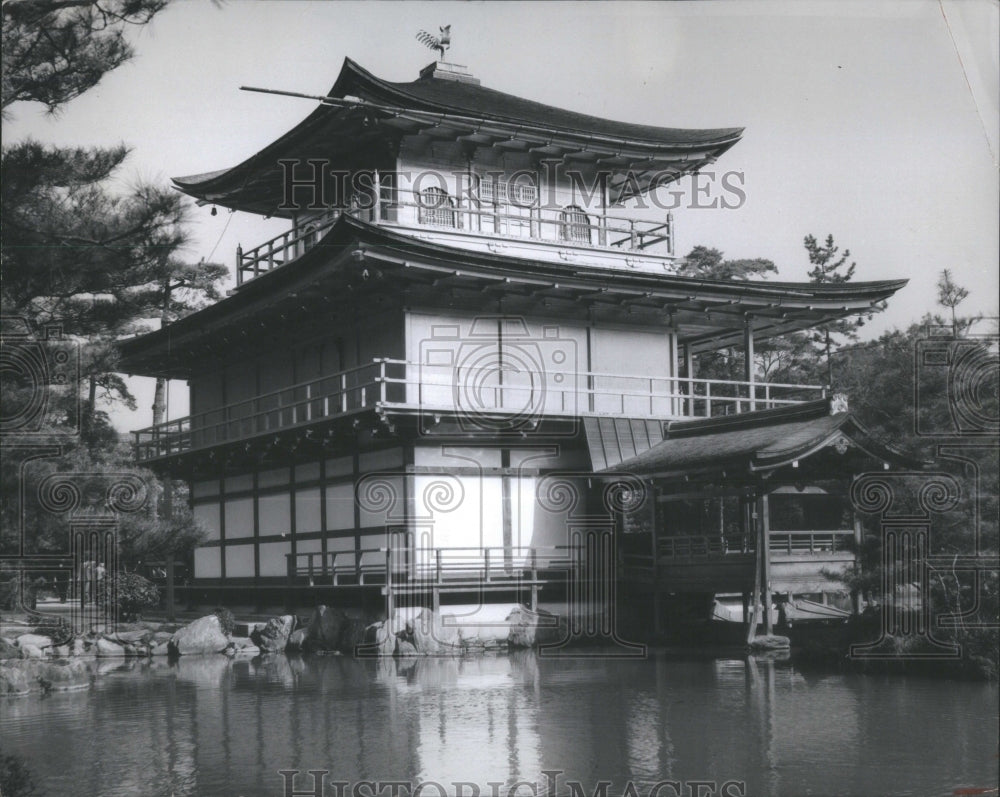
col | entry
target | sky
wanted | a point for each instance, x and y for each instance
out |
(875, 121)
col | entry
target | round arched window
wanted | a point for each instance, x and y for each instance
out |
(575, 225)
(436, 207)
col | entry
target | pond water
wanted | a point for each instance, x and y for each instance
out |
(208, 726)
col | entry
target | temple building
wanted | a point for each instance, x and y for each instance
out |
(468, 371)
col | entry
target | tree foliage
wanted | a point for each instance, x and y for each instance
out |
(99, 261)
(54, 50)
(831, 266)
(710, 263)
(882, 379)
(704, 262)
(951, 295)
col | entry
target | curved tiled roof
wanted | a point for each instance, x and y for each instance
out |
(756, 441)
(335, 127)
(454, 96)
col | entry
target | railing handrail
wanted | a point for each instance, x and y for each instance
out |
(598, 374)
(816, 532)
(272, 393)
(638, 234)
(177, 423)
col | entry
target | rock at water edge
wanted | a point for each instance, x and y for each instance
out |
(204, 635)
(323, 631)
(273, 637)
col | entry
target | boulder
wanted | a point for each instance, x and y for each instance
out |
(32, 652)
(160, 649)
(63, 676)
(430, 635)
(132, 637)
(106, 649)
(352, 636)
(296, 640)
(379, 639)
(81, 647)
(248, 651)
(769, 642)
(273, 637)
(405, 649)
(62, 651)
(13, 681)
(204, 635)
(529, 629)
(323, 631)
(37, 640)
(8, 650)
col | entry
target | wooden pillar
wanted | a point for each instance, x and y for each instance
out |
(168, 512)
(602, 233)
(858, 536)
(689, 373)
(748, 354)
(764, 523)
(377, 206)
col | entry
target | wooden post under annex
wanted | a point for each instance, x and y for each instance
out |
(764, 522)
(858, 536)
(748, 356)
(689, 373)
(168, 511)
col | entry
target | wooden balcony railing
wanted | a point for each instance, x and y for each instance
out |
(566, 227)
(810, 542)
(425, 566)
(671, 547)
(468, 392)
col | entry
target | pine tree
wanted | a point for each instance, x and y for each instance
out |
(830, 266)
(951, 295)
(54, 50)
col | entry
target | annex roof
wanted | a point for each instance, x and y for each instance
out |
(759, 442)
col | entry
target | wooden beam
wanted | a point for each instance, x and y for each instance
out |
(764, 521)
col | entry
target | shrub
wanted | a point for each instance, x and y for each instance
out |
(56, 629)
(135, 593)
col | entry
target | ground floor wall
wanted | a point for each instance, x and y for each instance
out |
(512, 499)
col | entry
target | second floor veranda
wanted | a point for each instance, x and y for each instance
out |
(474, 395)
(509, 218)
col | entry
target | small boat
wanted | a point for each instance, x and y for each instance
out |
(796, 611)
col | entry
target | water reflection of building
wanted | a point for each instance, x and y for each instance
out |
(221, 727)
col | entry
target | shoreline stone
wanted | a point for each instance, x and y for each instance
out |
(273, 637)
(324, 629)
(527, 632)
(204, 635)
